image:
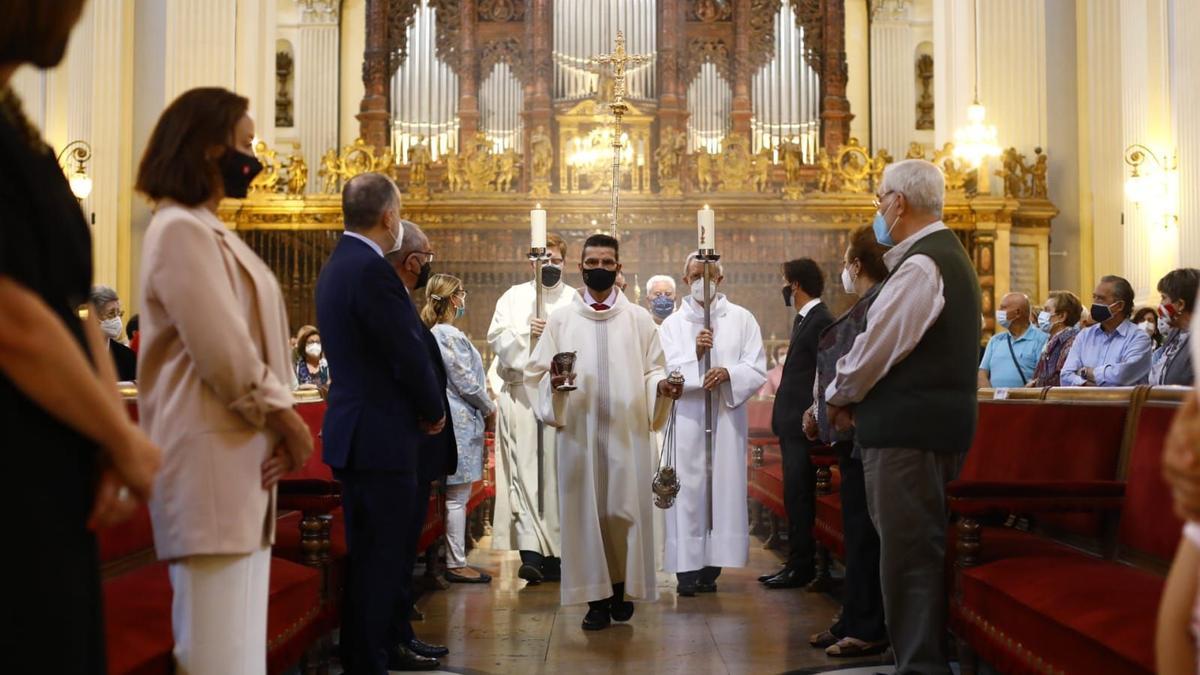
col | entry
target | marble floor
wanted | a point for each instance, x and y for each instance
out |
(507, 627)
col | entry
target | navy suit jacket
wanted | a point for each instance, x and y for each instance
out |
(439, 453)
(384, 381)
(795, 392)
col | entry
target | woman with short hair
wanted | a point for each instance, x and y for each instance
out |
(215, 384)
(1172, 362)
(1059, 319)
(312, 370)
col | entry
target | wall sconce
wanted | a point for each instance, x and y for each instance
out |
(77, 153)
(1153, 182)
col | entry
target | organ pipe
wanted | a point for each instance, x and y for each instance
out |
(785, 93)
(501, 98)
(710, 103)
(424, 93)
(587, 28)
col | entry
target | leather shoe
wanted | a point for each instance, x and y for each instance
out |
(422, 648)
(530, 573)
(406, 659)
(621, 611)
(764, 578)
(456, 578)
(789, 578)
(686, 588)
(597, 618)
(703, 587)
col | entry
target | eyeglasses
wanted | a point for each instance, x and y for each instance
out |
(111, 314)
(424, 253)
(878, 201)
(462, 293)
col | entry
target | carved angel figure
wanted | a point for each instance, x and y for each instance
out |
(824, 171)
(297, 175)
(418, 162)
(668, 153)
(705, 177)
(762, 170)
(543, 152)
(330, 171)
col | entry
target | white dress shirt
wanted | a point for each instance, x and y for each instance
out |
(808, 307)
(374, 247)
(908, 304)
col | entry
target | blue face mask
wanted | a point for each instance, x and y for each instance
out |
(459, 311)
(883, 233)
(662, 306)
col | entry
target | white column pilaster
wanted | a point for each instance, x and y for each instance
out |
(893, 77)
(112, 179)
(1185, 102)
(201, 45)
(255, 70)
(317, 90)
(1012, 71)
(953, 66)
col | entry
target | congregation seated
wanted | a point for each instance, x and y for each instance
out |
(1011, 357)
(1171, 363)
(1112, 353)
(312, 370)
(1059, 319)
(106, 310)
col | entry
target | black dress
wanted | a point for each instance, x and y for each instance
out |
(52, 606)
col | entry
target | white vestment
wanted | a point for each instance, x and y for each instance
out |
(516, 524)
(737, 347)
(605, 444)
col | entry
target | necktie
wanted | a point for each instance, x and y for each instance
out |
(599, 306)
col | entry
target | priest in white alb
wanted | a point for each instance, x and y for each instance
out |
(526, 511)
(699, 543)
(605, 440)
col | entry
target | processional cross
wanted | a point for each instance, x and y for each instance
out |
(618, 61)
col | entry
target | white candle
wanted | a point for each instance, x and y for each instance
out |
(706, 229)
(537, 222)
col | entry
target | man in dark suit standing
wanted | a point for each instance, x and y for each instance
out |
(385, 401)
(805, 283)
(412, 257)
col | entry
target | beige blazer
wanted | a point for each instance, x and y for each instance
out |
(213, 361)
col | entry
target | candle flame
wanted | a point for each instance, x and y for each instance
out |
(539, 205)
(706, 208)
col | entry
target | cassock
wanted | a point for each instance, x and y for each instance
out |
(516, 524)
(737, 347)
(605, 442)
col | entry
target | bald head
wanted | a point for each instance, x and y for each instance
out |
(371, 208)
(1016, 309)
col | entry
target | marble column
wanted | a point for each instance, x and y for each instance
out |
(672, 110)
(200, 45)
(373, 113)
(111, 167)
(317, 63)
(740, 108)
(835, 109)
(1185, 101)
(893, 77)
(255, 64)
(539, 24)
(953, 66)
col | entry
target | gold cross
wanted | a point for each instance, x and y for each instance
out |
(619, 59)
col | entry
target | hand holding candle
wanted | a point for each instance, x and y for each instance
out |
(537, 222)
(706, 229)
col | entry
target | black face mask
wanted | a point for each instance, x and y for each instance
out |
(237, 171)
(551, 275)
(423, 276)
(599, 279)
(787, 295)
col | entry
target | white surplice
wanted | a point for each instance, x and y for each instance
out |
(605, 444)
(516, 524)
(737, 347)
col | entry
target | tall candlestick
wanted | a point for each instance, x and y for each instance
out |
(537, 222)
(706, 229)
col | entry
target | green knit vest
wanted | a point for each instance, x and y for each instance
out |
(927, 401)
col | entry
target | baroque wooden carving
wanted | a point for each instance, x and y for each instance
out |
(400, 16)
(762, 34)
(501, 10)
(446, 15)
(709, 11)
(701, 51)
(505, 50)
(810, 15)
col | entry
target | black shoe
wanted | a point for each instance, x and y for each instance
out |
(552, 569)
(456, 578)
(789, 578)
(703, 587)
(766, 577)
(421, 648)
(686, 588)
(531, 574)
(621, 611)
(406, 659)
(597, 618)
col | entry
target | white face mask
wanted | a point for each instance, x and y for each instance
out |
(698, 290)
(1002, 318)
(1164, 325)
(1147, 327)
(111, 327)
(847, 281)
(1045, 321)
(313, 349)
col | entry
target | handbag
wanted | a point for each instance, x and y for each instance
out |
(665, 485)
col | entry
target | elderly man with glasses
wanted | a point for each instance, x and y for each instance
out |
(907, 386)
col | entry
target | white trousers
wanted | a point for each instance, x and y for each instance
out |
(456, 525)
(219, 613)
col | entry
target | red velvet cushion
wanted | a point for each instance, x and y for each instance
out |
(1148, 521)
(1045, 441)
(137, 622)
(766, 484)
(137, 618)
(1080, 614)
(132, 536)
(313, 414)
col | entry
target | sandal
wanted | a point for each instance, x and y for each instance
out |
(823, 639)
(849, 647)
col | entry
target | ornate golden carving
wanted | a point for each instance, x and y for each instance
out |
(356, 158)
(705, 174)
(955, 172)
(419, 160)
(853, 167)
(925, 100)
(667, 156)
(479, 169)
(542, 149)
(878, 164)
(501, 10)
(1022, 179)
(763, 164)
(710, 11)
(736, 164)
(267, 180)
(915, 151)
(825, 173)
(297, 174)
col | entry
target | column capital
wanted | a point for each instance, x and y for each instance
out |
(890, 11)
(320, 11)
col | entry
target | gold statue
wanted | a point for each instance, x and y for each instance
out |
(543, 152)
(619, 60)
(478, 164)
(1038, 173)
(1012, 172)
(297, 174)
(507, 170)
(330, 171)
(915, 151)
(956, 176)
(668, 153)
(267, 180)
(824, 171)
(762, 163)
(704, 170)
(455, 180)
(878, 164)
(418, 163)
(737, 164)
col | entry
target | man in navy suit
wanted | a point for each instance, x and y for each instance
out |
(386, 400)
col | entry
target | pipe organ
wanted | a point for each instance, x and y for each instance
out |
(585, 28)
(500, 103)
(710, 100)
(786, 93)
(424, 92)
